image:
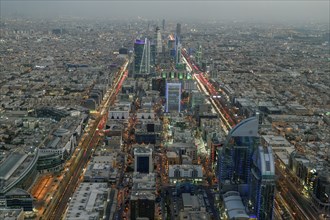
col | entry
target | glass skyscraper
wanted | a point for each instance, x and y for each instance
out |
(262, 183)
(247, 168)
(142, 57)
(235, 157)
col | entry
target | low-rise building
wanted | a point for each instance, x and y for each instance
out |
(18, 170)
(142, 204)
(92, 201)
(186, 172)
(233, 207)
(11, 214)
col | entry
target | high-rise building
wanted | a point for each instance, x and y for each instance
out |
(159, 45)
(177, 51)
(322, 189)
(247, 168)
(262, 183)
(235, 158)
(196, 98)
(153, 55)
(178, 29)
(171, 47)
(173, 97)
(143, 160)
(163, 24)
(199, 55)
(142, 57)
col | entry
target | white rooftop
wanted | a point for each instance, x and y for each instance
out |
(87, 201)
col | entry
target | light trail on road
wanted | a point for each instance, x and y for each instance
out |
(59, 203)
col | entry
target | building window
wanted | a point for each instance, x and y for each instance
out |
(194, 174)
(177, 174)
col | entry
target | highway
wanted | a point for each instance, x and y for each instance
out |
(292, 196)
(226, 115)
(82, 154)
(289, 203)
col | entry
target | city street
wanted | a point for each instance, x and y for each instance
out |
(64, 189)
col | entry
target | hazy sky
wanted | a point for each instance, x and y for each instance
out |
(262, 10)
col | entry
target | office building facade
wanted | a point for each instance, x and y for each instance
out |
(173, 97)
(235, 158)
(142, 57)
(142, 205)
(159, 45)
(262, 183)
(247, 168)
(178, 29)
(143, 160)
(321, 191)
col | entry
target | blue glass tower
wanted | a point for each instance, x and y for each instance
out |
(262, 183)
(235, 157)
(247, 168)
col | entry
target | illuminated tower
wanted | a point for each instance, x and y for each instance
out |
(173, 97)
(142, 57)
(248, 168)
(235, 157)
(262, 184)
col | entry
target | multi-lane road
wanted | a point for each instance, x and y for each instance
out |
(228, 120)
(291, 201)
(72, 177)
(292, 195)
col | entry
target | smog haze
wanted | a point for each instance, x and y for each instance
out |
(251, 11)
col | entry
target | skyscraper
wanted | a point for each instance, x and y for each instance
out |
(153, 55)
(142, 57)
(262, 183)
(236, 156)
(199, 55)
(178, 29)
(173, 97)
(171, 47)
(177, 51)
(159, 45)
(247, 168)
(163, 24)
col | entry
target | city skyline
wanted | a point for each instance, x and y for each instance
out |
(157, 113)
(249, 11)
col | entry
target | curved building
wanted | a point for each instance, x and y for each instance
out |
(49, 162)
(262, 183)
(248, 169)
(18, 171)
(234, 160)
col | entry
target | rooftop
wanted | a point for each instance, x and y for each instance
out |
(88, 201)
(9, 166)
(234, 205)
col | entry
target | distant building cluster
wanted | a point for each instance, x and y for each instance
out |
(165, 121)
